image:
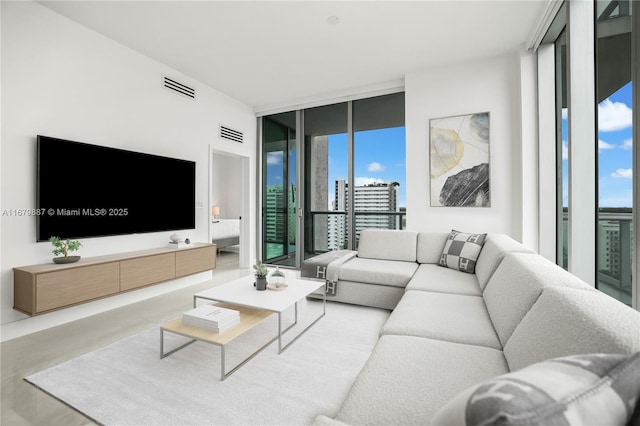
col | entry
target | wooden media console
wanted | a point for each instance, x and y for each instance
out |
(38, 289)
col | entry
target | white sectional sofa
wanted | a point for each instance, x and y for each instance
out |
(452, 332)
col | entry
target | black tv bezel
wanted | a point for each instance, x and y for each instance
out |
(40, 138)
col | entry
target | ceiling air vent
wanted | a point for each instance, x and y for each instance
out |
(177, 87)
(230, 134)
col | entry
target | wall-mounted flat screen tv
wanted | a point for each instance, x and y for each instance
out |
(86, 190)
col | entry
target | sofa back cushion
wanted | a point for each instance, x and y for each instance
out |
(516, 285)
(430, 245)
(461, 251)
(493, 251)
(568, 321)
(388, 244)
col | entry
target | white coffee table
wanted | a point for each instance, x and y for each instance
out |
(241, 292)
(254, 307)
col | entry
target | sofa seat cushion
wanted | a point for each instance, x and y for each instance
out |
(451, 317)
(516, 285)
(592, 389)
(374, 271)
(435, 278)
(568, 321)
(407, 379)
(387, 244)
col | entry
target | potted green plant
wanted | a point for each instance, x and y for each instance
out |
(261, 275)
(61, 247)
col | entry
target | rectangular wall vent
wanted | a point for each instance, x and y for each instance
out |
(177, 87)
(230, 134)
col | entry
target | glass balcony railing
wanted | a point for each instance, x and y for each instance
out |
(330, 229)
(614, 252)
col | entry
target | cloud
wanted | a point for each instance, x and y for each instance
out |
(613, 116)
(604, 145)
(274, 158)
(375, 167)
(362, 181)
(622, 174)
(565, 113)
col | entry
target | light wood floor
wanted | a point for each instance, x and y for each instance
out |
(24, 404)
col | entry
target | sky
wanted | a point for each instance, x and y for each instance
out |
(614, 150)
(379, 157)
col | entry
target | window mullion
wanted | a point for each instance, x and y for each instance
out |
(582, 141)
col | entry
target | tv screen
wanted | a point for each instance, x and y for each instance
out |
(86, 190)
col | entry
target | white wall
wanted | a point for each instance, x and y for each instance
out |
(529, 155)
(489, 85)
(62, 80)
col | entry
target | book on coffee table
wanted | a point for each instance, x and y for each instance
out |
(211, 317)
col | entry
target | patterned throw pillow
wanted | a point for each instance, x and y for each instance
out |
(590, 389)
(461, 251)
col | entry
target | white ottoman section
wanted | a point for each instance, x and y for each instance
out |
(383, 296)
(392, 273)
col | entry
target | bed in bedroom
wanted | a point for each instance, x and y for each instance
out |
(225, 233)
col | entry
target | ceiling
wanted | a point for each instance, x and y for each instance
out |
(271, 54)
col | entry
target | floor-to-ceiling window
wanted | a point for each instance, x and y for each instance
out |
(615, 143)
(279, 189)
(562, 148)
(593, 55)
(351, 168)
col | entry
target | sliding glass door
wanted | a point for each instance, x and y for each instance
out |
(279, 189)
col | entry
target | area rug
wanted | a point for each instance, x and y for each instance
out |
(126, 383)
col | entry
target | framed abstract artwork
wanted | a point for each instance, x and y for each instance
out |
(459, 161)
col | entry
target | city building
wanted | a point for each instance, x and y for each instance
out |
(275, 222)
(368, 200)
